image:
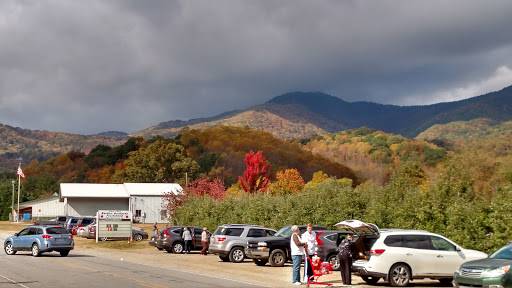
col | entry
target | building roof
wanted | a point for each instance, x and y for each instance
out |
(93, 190)
(151, 189)
(45, 199)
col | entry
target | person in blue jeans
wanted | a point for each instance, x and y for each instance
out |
(297, 250)
(187, 237)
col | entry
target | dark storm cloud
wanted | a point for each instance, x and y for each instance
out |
(88, 67)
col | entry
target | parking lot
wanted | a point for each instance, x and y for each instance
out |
(140, 253)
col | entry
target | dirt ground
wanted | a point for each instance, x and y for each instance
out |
(247, 271)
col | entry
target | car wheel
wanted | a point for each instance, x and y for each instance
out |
(277, 258)
(236, 255)
(445, 281)
(137, 237)
(370, 279)
(260, 262)
(8, 249)
(333, 259)
(224, 259)
(64, 253)
(399, 275)
(35, 250)
(177, 247)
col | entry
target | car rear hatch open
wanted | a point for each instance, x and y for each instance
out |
(368, 234)
(359, 227)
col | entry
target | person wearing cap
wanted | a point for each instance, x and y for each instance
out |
(204, 241)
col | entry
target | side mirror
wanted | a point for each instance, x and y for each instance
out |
(458, 249)
(16, 234)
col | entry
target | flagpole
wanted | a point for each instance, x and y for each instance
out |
(18, 214)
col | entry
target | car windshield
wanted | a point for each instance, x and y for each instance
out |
(503, 253)
(284, 232)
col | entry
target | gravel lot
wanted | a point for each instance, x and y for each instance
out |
(211, 265)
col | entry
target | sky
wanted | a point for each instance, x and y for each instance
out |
(91, 66)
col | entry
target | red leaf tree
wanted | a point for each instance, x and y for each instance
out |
(254, 179)
(199, 187)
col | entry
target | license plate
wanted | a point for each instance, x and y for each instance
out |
(61, 240)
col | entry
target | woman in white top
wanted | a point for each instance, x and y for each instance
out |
(309, 237)
(297, 250)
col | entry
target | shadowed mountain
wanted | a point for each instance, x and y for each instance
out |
(301, 115)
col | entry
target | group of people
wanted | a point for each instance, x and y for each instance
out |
(306, 244)
(187, 238)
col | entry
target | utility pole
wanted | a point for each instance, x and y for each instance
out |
(12, 205)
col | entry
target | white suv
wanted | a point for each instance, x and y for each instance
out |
(399, 256)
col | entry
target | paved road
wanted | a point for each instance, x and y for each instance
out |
(80, 270)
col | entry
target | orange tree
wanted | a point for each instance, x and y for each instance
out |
(288, 181)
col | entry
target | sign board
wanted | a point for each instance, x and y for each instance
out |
(114, 229)
(114, 215)
(112, 224)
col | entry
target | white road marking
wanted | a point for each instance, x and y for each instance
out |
(13, 281)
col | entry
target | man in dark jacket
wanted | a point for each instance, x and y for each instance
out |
(346, 249)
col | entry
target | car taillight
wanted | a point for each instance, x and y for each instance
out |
(70, 236)
(47, 236)
(166, 234)
(318, 241)
(377, 252)
(220, 239)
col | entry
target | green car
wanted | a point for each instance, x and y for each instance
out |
(491, 272)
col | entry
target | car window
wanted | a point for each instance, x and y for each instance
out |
(56, 230)
(86, 221)
(271, 233)
(441, 244)
(331, 237)
(417, 241)
(40, 231)
(74, 220)
(32, 231)
(284, 232)
(198, 232)
(176, 231)
(302, 230)
(394, 241)
(502, 253)
(23, 232)
(256, 233)
(230, 231)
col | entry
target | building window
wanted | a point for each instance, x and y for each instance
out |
(163, 214)
(138, 213)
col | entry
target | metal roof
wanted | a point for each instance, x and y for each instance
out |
(93, 190)
(151, 189)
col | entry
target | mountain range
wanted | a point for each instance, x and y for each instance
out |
(294, 115)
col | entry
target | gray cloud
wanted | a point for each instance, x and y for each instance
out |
(88, 67)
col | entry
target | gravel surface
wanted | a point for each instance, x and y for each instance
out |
(211, 265)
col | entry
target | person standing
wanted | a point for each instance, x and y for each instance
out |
(346, 249)
(205, 241)
(297, 250)
(155, 230)
(309, 237)
(187, 237)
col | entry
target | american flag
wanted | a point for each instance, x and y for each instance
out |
(20, 172)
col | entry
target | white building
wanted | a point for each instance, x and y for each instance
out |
(144, 200)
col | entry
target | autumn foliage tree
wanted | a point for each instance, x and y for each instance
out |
(288, 181)
(200, 187)
(255, 178)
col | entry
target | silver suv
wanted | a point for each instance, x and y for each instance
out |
(229, 240)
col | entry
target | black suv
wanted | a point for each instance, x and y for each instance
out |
(170, 239)
(274, 249)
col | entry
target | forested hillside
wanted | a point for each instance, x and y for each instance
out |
(373, 154)
(23, 145)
